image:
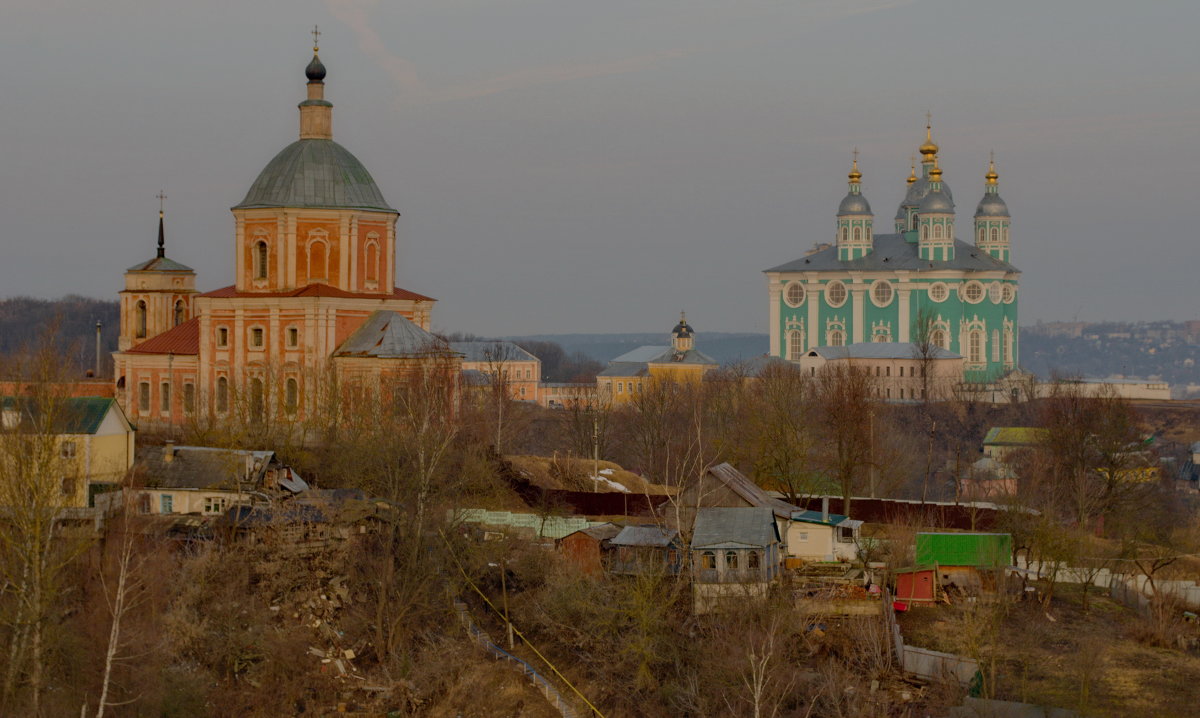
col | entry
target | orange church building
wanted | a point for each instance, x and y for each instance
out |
(314, 292)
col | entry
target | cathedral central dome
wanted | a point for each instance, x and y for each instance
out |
(315, 173)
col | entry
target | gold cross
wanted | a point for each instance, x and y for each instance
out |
(316, 33)
(928, 120)
(161, 198)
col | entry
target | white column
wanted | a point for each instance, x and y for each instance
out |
(904, 311)
(813, 333)
(775, 292)
(859, 313)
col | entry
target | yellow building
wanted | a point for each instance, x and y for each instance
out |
(634, 372)
(95, 442)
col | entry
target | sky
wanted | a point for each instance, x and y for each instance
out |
(565, 166)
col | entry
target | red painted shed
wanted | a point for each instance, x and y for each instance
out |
(916, 585)
(585, 548)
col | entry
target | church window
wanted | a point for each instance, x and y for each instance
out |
(222, 337)
(260, 260)
(140, 320)
(835, 294)
(372, 260)
(995, 345)
(293, 337)
(179, 312)
(938, 291)
(164, 397)
(995, 234)
(256, 337)
(925, 231)
(795, 344)
(843, 234)
(222, 395)
(938, 337)
(317, 261)
(1009, 294)
(979, 234)
(937, 231)
(144, 396)
(794, 295)
(291, 395)
(189, 398)
(975, 347)
(858, 234)
(881, 293)
(995, 293)
(1008, 345)
(256, 399)
(837, 338)
(972, 291)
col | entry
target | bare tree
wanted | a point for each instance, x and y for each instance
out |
(845, 400)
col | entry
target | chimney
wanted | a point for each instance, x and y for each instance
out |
(168, 452)
(825, 509)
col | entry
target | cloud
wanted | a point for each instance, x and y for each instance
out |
(354, 14)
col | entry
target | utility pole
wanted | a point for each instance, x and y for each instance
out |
(504, 594)
(98, 348)
(871, 448)
(595, 445)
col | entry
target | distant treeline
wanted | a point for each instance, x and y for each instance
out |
(71, 322)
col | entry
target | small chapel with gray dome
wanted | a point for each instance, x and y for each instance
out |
(920, 283)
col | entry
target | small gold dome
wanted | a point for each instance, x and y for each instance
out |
(935, 173)
(930, 148)
(855, 176)
(912, 174)
(991, 175)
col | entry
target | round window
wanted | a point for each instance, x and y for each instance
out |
(794, 294)
(881, 293)
(835, 294)
(995, 293)
(972, 292)
(1009, 294)
(938, 291)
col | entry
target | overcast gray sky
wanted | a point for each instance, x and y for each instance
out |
(597, 166)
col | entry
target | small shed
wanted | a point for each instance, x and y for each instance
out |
(587, 548)
(967, 562)
(917, 584)
(645, 549)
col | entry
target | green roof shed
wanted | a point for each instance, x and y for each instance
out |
(964, 549)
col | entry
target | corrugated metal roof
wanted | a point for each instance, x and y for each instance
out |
(389, 335)
(76, 414)
(985, 550)
(751, 492)
(201, 467)
(1014, 436)
(181, 340)
(656, 536)
(734, 527)
(816, 517)
(491, 351)
(882, 350)
(893, 252)
(316, 290)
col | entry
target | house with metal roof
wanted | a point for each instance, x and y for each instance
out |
(94, 440)
(735, 553)
(506, 365)
(646, 549)
(314, 263)
(635, 371)
(920, 283)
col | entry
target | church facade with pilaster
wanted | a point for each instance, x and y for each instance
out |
(920, 283)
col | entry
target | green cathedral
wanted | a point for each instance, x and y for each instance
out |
(920, 284)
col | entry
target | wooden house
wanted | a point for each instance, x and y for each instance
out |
(735, 553)
(646, 549)
(587, 548)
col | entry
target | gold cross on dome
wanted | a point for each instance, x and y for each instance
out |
(161, 198)
(316, 33)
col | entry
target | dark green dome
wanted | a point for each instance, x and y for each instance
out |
(315, 173)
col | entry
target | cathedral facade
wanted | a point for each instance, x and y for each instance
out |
(920, 284)
(314, 292)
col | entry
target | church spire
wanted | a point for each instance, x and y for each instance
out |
(162, 245)
(316, 113)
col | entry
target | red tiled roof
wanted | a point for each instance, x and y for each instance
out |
(183, 339)
(317, 290)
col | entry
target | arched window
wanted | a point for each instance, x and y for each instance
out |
(318, 260)
(995, 234)
(843, 234)
(179, 312)
(858, 234)
(975, 347)
(753, 560)
(260, 259)
(795, 345)
(925, 232)
(1008, 345)
(222, 394)
(837, 338)
(995, 345)
(937, 231)
(938, 337)
(731, 559)
(372, 268)
(291, 395)
(979, 234)
(708, 560)
(139, 319)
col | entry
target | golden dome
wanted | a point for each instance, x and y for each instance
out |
(855, 176)
(935, 173)
(928, 149)
(991, 175)
(912, 174)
